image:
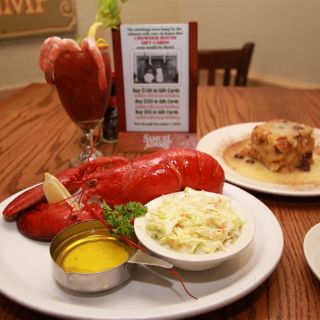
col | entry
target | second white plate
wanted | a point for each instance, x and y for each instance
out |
(216, 141)
(311, 248)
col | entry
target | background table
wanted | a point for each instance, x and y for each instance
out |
(36, 136)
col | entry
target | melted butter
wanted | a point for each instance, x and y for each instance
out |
(257, 171)
(92, 253)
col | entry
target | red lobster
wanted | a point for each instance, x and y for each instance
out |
(115, 180)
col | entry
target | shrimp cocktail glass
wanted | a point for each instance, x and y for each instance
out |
(82, 77)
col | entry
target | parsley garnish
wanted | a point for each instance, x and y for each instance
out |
(121, 218)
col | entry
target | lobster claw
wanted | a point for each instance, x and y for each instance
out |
(45, 220)
(23, 201)
(71, 178)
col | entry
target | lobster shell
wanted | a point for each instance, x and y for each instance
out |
(115, 180)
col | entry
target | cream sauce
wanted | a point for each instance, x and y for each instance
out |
(255, 170)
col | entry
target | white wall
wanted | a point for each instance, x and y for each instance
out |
(286, 33)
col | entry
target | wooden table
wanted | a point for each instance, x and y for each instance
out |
(37, 136)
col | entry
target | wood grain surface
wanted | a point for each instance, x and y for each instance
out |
(36, 135)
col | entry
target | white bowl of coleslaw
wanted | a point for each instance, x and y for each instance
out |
(195, 230)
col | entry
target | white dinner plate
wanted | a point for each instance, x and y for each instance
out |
(150, 294)
(311, 248)
(216, 141)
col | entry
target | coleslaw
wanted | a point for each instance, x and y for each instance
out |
(195, 223)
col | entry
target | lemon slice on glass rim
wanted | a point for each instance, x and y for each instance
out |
(98, 32)
(55, 191)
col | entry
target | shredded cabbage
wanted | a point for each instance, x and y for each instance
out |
(195, 223)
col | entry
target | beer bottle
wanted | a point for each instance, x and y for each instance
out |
(110, 120)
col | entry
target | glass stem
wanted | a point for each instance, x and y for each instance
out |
(87, 141)
(89, 152)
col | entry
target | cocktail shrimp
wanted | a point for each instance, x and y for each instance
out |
(54, 46)
(49, 52)
(90, 45)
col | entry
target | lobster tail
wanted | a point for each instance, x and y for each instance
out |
(198, 170)
(211, 173)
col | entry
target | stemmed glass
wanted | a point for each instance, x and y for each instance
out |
(76, 77)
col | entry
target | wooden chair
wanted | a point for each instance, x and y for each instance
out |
(227, 60)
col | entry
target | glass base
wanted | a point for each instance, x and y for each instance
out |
(110, 140)
(89, 152)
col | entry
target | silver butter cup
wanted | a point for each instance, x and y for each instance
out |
(87, 282)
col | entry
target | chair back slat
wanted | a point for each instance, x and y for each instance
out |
(226, 77)
(212, 77)
(227, 60)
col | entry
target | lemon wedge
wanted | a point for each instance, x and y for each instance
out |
(98, 32)
(55, 191)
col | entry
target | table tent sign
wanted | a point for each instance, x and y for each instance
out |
(156, 79)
